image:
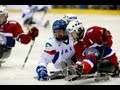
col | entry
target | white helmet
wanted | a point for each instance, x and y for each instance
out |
(76, 26)
(3, 13)
(69, 17)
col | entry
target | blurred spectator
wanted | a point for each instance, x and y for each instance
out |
(107, 7)
(113, 7)
(83, 6)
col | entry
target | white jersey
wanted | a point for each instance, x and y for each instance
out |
(56, 52)
(29, 10)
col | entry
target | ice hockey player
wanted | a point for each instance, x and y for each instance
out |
(10, 32)
(69, 17)
(28, 15)
(57, 49)
(90, 45)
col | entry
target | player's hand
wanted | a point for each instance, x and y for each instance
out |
(42, 73)
(33, 32)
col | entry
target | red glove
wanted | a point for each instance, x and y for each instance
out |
(33, 32)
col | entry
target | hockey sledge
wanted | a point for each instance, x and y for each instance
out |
(1, 62)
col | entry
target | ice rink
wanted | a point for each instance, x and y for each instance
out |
(11, 72)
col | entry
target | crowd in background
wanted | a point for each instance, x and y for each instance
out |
(111, 7)
(105, 7)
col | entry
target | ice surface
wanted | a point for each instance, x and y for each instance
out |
(11, 72)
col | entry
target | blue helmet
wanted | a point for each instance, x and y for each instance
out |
(59, 24)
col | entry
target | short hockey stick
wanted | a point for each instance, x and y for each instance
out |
(28, 53)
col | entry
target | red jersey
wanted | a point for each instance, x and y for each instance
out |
(12, 30)
(93, 37)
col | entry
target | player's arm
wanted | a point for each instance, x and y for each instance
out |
(45, 58)
(21, 36)
(47, 54)
(103, 35)
(108, 37)
(79, 48)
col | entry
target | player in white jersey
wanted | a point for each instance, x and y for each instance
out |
(69, 17)
(28, 14)
(57, 49)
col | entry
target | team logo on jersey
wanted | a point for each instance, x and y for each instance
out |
(66, 51)
(48, 45)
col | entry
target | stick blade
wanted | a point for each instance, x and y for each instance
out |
(23, 66)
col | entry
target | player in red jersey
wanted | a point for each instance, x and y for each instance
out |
(92, 45)
(10, 32)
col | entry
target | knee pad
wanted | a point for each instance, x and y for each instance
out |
(106, 66)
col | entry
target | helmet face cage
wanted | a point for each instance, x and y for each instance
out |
(3, 14)
(59, 29)
(79, 29)
(80, 32)
(76, 29)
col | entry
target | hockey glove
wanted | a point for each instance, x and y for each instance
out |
(33, 32)
(42, 73)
